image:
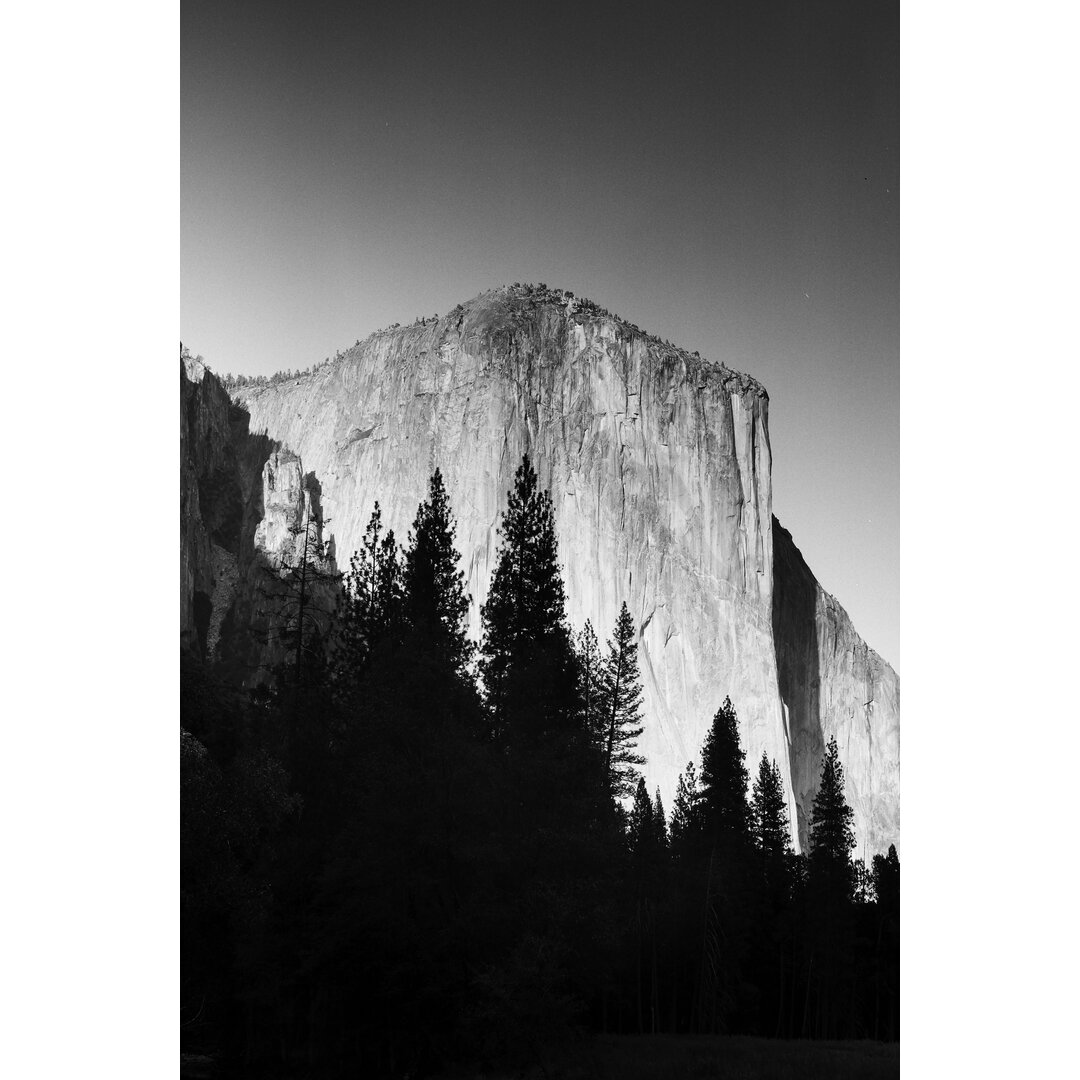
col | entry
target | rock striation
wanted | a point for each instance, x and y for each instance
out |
(659, 466)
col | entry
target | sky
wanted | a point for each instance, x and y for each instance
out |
(724, 175)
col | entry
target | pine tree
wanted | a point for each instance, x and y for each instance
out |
(886, 873)
(642, 830)
(685, 813)
(590, 697)
(660, 823)
(729, 887)
(527, 660)
(436, 603)
(831, 888)
(724, 779)
(369, 608)
(774, 939)
(622, 693)
(770, 815)
(832, 829)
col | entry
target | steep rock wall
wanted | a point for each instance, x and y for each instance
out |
(244, 500)
(833, 684)
(209, 497)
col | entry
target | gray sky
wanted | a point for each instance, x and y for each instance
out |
(725, 175)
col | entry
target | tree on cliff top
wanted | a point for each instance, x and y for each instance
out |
(527, 660)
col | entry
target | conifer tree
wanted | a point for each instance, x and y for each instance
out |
(685, 814)
(832, 828)
(831, 889)
(622, 693)
(590, 696)
(774, 943)
(436, 603)
(660, 823)
(527, 660)
(642, 830)
(729, 887)
(369, 608)
(772, 832)
(886, 873)
(724, 780)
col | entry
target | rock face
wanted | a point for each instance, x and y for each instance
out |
(833, 684)
(211, 501)
(244, 504)
(659, 468)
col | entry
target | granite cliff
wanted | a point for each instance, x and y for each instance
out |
(659, 466)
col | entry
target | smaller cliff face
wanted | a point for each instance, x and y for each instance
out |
(210, 497)
(291, 502)
(245, 508)
(833, 684)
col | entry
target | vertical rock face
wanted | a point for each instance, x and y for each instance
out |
(207, 499)
(833, 684)
(659, 467)
(244, 502)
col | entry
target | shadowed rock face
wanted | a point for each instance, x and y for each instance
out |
(244, 500)
(210, 497)
(659, 468)
(833, 684)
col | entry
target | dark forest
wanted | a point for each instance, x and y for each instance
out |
(403, 851)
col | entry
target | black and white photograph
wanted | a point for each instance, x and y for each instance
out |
(588, 412)
(539, 540)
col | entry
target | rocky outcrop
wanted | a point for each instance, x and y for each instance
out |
(659, 466)
(210, 499)
(245, 508)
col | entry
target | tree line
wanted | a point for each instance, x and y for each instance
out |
(409, 849)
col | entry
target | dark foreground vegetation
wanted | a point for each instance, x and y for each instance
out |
(707, 1057)
(407, 854)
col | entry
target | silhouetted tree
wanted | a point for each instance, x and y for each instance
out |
(775, 942)
(772, 831)
(832, 823)
(685, 813)
(729, 894)
(621, 697)
(886, 876)
(436, 603)
(830, 897)
(369, 609)
(527, 659)
(590, 690)
(660, 823)
(724, 779)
